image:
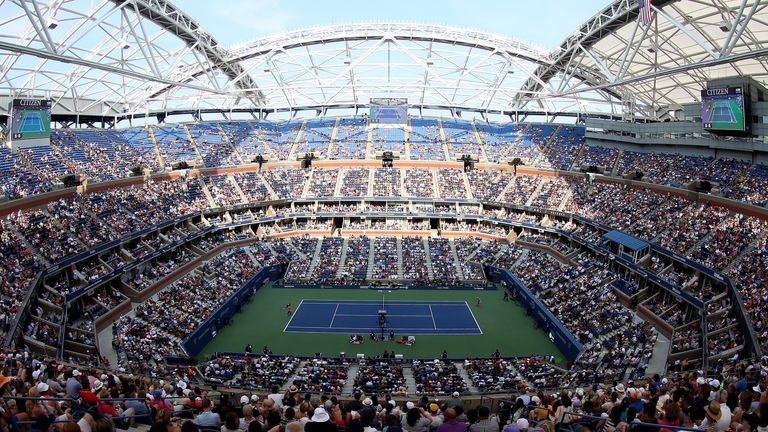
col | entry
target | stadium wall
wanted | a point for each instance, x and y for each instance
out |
(205, 332)
(562, 338)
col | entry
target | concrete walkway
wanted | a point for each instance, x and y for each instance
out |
(658, 362)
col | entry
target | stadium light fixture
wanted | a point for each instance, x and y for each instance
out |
(725, 26)
(52, 23)
(124, 44)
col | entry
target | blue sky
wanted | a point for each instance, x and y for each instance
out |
(543, 22)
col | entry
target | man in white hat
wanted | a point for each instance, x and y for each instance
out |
(73, 386)
(454, 400)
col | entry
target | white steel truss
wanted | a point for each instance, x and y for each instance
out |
(115, 57)
(656, 68)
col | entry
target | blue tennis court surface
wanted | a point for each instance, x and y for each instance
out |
(32, 122)
(403, 317)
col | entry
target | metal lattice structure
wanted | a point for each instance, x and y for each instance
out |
(117, 57)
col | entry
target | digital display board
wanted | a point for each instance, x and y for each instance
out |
(389, 110)
(30, 119)
(722, 109)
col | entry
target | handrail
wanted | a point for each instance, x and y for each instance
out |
(568, 425)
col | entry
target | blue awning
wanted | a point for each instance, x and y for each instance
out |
(626, 240)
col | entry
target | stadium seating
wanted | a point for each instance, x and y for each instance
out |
(717, 237)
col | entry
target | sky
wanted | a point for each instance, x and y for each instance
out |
(545, 23)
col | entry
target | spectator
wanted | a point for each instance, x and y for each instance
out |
(451, 423)
(321, 421)
(416, 419)
(208, 419)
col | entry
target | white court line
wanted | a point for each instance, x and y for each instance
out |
(473, 317)
(334, 315)
(388, 314)
(292, 316)
(395, 330)
(432, 314)
(403, 329)
(391, 302)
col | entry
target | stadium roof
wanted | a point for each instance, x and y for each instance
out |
(116, 57)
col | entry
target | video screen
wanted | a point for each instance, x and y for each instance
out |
(389, 110)
(723, 109)
(30, 119)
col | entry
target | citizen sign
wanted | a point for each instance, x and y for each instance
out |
(30, 102)
(717, 92)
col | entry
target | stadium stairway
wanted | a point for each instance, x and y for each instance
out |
(545, 148)
(535, 194)
(105, 345)
(292, 378)
(565, 200)
(249, 252)
(707, 238)
(206, 192)
(292, 246)
(339, 182)
(343, 259)
(752, 245)
(27, 244)
(371, 260)
(399, 258)
(456, 261)
(315, 258)
(266, 184)
(410, 381)
(349, 385)
(657, 364)
(615, 165)
(428, 260)
(435, 182)
(307, 185)
(465, 376)
(371, 179)
(523, 257)
(467, 185)
(236, 187)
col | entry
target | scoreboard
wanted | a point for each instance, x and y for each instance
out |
(30, 119)
(389, 110)
(723, 110)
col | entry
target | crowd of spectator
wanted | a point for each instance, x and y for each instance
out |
(322, 375)
(437, 377)
(174, 313)
(717, 237)
(729, 396)
(379, 376)
(253, 372)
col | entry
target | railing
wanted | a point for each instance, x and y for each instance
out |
(577, 421)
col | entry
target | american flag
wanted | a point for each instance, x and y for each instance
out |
(646, 13)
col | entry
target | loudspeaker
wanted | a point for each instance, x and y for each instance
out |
(70, 180)
(182, 165)
(306, 162)
(387, 159)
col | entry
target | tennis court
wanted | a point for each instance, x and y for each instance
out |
(32, 122)
(722, 112)
(360, 316)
